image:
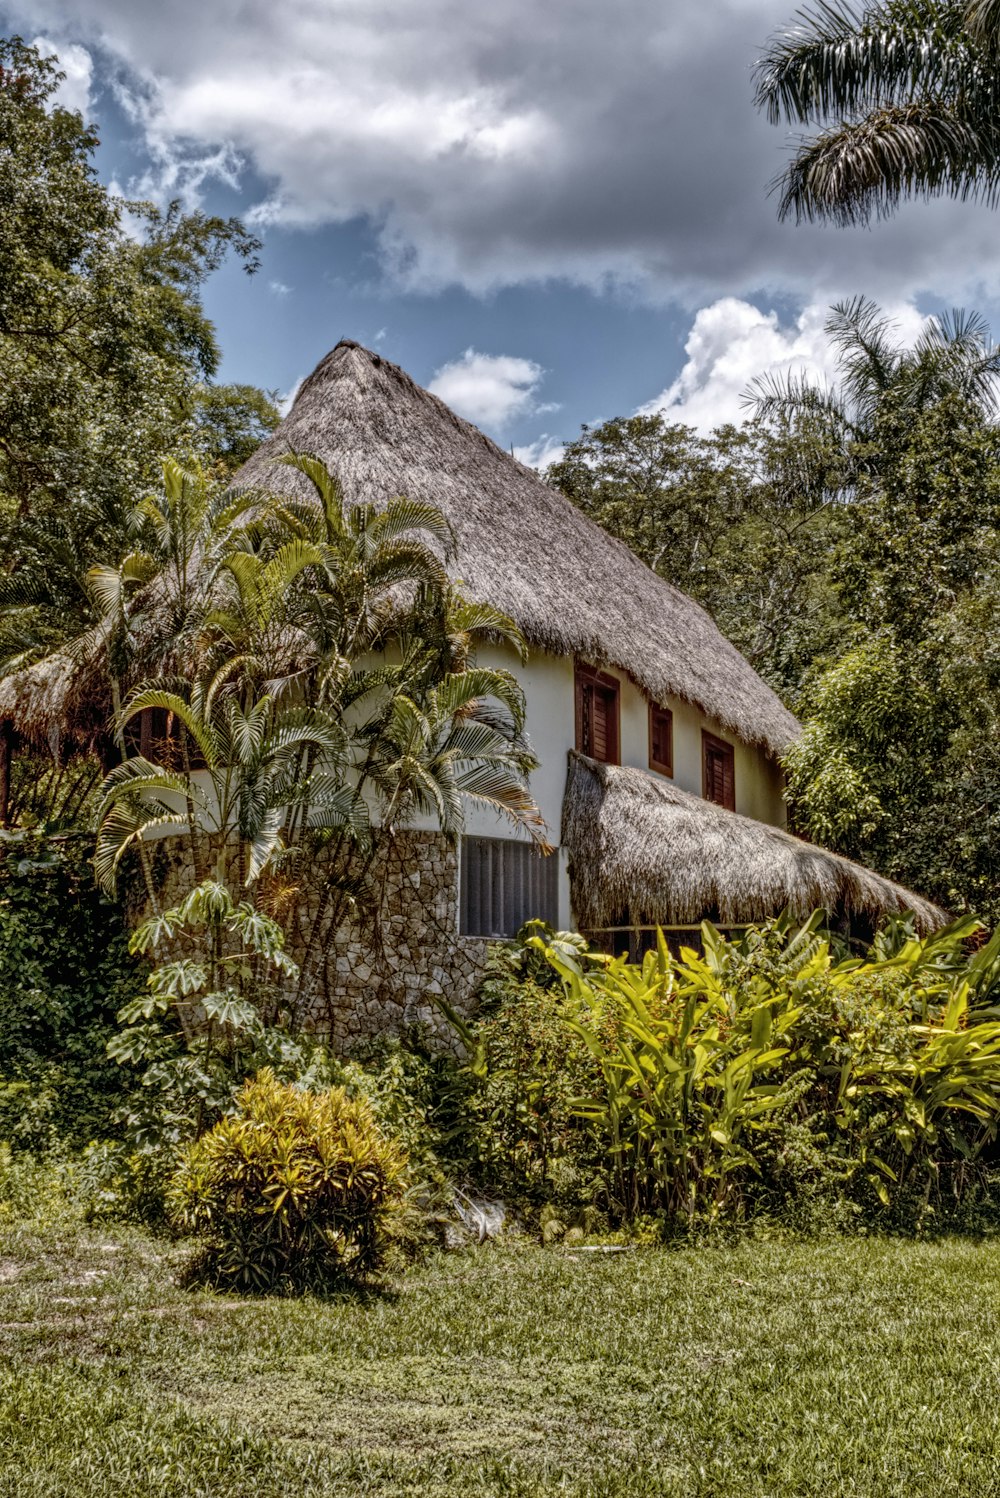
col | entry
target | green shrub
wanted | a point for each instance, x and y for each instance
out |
(294, 1191)
(508, 1110)
(65, 971)
(762, 1076)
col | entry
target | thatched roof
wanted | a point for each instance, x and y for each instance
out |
(62, 702)
(521, 546)
(637, 843)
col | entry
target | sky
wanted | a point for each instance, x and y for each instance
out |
(549, 214)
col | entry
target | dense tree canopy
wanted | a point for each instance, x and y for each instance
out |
(106, 352)
(848, 540)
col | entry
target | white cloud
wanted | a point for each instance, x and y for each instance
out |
(278, 288)
(516, 143)
(732, 343)
(78, 65)
(489, 389)
(286, 402)
(540, 453)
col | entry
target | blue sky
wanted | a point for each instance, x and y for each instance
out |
(550, 214)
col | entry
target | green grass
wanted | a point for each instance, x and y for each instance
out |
(860, 1367)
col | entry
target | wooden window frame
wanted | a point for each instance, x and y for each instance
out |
(663, 767)
(590, 676)
(712, 741)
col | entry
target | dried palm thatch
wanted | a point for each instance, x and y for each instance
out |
(62, 703)
(636, 843)
(521, 546)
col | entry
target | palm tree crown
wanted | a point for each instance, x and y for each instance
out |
(907, 95)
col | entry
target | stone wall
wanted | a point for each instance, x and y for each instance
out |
(362, 974)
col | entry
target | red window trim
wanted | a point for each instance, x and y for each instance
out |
(590, 676)
(711, 741)
(664, 768)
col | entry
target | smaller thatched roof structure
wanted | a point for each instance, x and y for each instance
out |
(637, 843)
(61, 703)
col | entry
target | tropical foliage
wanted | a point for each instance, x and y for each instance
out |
(905, 96)
(759, 1075)
(293, 1191)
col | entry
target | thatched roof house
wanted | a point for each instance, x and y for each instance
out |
(684, 720)
(640, 844)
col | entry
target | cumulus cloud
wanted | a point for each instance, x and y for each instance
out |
(489, 389)
(513, 143)
(540, 453)
(78, 65)
(732, 343)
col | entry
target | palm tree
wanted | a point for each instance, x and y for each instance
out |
(953, 358)
(907, 95)
(334, 667)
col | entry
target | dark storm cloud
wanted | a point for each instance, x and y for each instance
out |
(613, 146)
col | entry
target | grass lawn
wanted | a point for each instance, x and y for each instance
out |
(865, 1367)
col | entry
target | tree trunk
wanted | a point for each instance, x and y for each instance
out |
(6, 746)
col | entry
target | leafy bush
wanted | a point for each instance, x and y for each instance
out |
(516, 1128)
(759, 1072)
(65, 970)
(763, 1075)
(296, 1190)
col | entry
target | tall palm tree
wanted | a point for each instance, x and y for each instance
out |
(952, 358)
(907, 97)
(333, 666)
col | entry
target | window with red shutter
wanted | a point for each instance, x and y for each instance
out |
(597, 715)
(718, 771)
(661, 740)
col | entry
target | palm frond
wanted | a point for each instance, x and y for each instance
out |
(265, 842)
(403, 516)
(404, 562)
(327, 489)
(201, 730)
(865, 168)
(502, 787)
(481, 621)
(457, 692)
(837, 60)
(982, 21)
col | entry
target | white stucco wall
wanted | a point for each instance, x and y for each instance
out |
(549, 688)
(548, 683)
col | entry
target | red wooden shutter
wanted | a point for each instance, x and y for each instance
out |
(661, 740)
(719, 775)
(601, 725)
(597, 715)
